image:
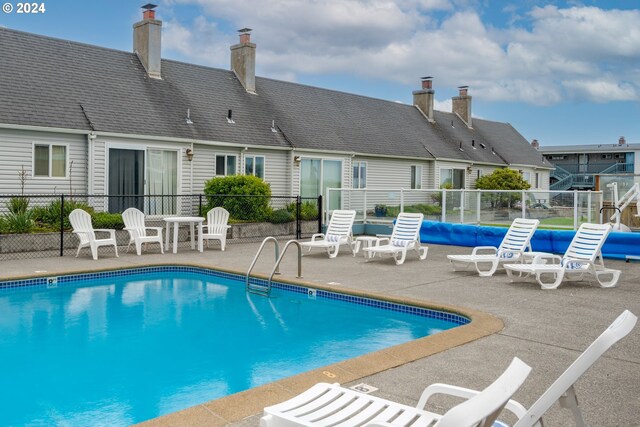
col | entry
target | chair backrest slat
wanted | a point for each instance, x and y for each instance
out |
(341, 223)
(134, 220)
(217, 219)
(407, 226)
(588, 241)
(81, 222)
(519, 235)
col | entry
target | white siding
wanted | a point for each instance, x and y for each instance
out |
(277, 169)
(17, 151)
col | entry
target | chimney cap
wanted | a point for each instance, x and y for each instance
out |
(426, 78)
(149, 6)
(463, 87)
(244, 30)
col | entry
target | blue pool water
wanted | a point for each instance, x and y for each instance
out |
(131, 346)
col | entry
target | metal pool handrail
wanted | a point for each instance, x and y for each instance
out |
(284, 250)
(253, 263)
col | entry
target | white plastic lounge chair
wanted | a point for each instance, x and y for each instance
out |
(562, 390)
(581, 258)
(331, 405)
(404, 237)
(81, 223)
(339, 232)
(134, 223)
(215, 228)
(513, 245)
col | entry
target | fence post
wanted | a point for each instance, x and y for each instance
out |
(401, 200)
(479, 203)
(298, 219)
(199, 204)
(364, 207)
(443, 205)
(462, 195)
(62, 225)
(320, 213)
(575, 209)
(589, 201)
(524, 206)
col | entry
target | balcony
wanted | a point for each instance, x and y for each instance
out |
(582, 176)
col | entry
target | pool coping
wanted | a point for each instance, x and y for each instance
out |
(238, 406)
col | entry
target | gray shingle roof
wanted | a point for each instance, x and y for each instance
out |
(56, 83)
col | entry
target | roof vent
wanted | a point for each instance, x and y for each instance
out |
(229, 117)
(460, 147)
(188, 119)
(484, 147)
(273, 126)
(473, 144)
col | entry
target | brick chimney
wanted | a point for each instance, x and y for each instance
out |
(622, 141)
(462, 105)
(243, 60)
(146, 40)
(423, 99)
(535, 144)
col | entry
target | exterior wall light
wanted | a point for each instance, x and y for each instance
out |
(189, 154)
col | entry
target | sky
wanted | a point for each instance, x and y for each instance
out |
(564, 72)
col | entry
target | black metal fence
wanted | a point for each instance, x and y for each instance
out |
(34, 226)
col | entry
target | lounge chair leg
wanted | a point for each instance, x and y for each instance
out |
(551, 285)
(570, 401)
(487, 273)
(615, 275)
(403, 255)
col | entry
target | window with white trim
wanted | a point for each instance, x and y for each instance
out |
(226, 164)
(359, 174)
(254, 165)
(416, 177)
(452, 178)
(50, 160)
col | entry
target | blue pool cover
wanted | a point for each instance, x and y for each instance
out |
(617, 246)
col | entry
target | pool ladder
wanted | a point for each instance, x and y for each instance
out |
(265, 290)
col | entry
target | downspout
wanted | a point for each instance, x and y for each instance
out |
(91, 136)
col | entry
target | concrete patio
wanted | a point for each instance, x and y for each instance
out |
(546, 329)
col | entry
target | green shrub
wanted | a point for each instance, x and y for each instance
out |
(107, 220)
(49, 216)
(246, 197)
(18, 205)
(280, 216)
(308, 210)
(21, 222)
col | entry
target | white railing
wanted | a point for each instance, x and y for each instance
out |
(555, 209)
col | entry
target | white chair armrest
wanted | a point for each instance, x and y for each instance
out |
(379, 241)
(106, 230)
(542, 257)
(465, 393)
(317, 235)
(484, 248)
(156, 229)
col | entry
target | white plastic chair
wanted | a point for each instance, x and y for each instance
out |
(515, 243)
(134, 223)
(563, 390)
(583, 257)
(82, 227)
(215, 228)
(329, 404)
(339, 232)
(404, 237)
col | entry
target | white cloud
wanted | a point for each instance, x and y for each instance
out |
(546, 55)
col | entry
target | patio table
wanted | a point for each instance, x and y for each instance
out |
(176, 221)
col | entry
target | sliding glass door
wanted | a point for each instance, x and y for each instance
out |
(126, 179)
(316, 175)
(162, 181)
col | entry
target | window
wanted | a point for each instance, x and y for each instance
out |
(527, 176)
(50, 160)
(606, 156)
(254, 165)
(453, 178)
(225, 164)
(416, 177)
(359, 174)
(537, 180)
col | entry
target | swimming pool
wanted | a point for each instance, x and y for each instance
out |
(115, 348)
